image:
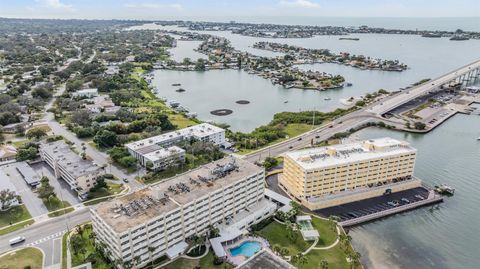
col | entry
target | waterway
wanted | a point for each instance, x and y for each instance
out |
(440, 236)
(207, 91)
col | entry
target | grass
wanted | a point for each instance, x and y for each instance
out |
(275, 234)
(111, 189)
(181, 121)
(14, 215)
(64, 251)
(327, 231)
(16, 227)
(20, 259)
(204, 263)
(335, 257)
(292, 130)
(87, 248)
(20, 143)
(55, 207)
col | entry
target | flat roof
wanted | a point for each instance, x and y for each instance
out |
(162, 153)
(314, 158)
(69, 160)
(143, 205)
(199, 131)
(265, 259)
(28, 174)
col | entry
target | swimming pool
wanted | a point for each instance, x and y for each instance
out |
(247, 249)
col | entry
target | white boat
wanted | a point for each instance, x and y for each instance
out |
(478, 138)
(327, 98)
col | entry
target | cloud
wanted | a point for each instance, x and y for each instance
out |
(299, 3)
(56, 4)
(177, 7)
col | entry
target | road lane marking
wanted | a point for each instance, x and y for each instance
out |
(47, 238)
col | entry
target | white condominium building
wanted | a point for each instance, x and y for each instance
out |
(158, 220)
(202, 132)
(333, 175)
(80, 174)
(164, 157)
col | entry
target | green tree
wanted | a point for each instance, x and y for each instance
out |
(36, 133)
(105, 138)
(7, 197)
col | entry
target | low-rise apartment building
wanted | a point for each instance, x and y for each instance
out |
(333, 175)
(159, 219)
(80, 174)
(202, 132)
(163, 158)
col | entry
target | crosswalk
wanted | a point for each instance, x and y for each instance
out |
(47, 238)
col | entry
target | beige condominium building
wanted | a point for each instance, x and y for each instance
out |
(333, 175)
(159, 219)
(81, 175)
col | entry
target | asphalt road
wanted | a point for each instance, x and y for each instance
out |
(43, 234)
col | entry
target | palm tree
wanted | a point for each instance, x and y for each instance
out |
(200, 242)
(276, 249)
(323, 264)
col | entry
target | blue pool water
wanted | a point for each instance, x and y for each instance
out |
(247, 249)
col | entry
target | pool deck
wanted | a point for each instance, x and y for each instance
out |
(239, 259)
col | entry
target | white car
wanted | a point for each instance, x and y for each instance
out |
(16, 240)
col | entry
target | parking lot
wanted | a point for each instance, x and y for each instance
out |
(374, 205)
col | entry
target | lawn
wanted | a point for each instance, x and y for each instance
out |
(57, 206)
(204, 263)
(292, 130)
(327, 231)
(275, 234)
(111, 189)
(14, 215)
(22, 258)
(85, 249)
(335, 257)
(181, 121)
(64, 251)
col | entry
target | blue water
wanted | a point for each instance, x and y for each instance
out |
(246, 249)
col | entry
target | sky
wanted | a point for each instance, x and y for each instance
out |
(232, 9)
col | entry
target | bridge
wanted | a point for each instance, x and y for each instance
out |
(465, 73)
(371, 113)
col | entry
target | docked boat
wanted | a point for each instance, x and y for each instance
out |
(174, 103)
(444, 189)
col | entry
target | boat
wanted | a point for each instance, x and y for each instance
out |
(349, 38)
(432, 35)
(176, 84)
(459, 38)
(285, 102)
(478, 138)
(327, 98)
(444, 189)
(349, 84)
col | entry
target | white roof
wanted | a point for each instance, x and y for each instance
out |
(163, 153)
(314, 158)
(197, 131)
(176, 249)
(277, 197)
